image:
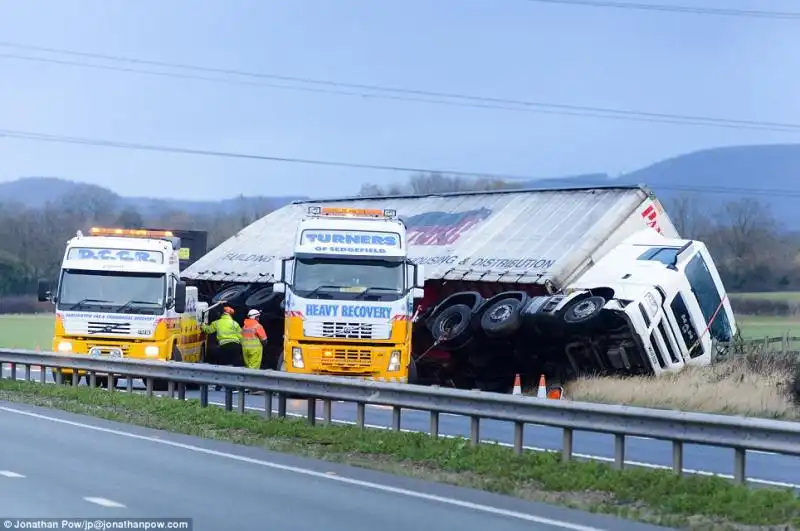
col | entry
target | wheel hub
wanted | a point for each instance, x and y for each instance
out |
(500, 313)
(585, 308)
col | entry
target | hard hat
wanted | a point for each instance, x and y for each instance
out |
(253, 313)
(228, 310)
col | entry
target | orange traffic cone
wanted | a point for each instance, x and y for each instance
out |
(517, 386)
(542, 391)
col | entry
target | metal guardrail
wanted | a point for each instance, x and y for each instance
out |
(681, 428)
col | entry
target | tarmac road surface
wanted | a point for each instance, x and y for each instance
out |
(762, 468)
(60, 465)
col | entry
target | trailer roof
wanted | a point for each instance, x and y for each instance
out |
(514, 236)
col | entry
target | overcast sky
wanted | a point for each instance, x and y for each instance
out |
(742, 68)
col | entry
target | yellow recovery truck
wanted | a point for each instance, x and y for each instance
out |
(119, 296)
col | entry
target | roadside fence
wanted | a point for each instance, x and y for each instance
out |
(680, 428)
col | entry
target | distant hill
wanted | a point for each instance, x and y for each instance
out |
(37, 191)
(736, 172)
(728, 169)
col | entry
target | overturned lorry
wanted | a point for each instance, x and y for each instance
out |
(559, 282)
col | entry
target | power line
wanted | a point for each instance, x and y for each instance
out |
(399, 94)
(44, 137)
(749, 13)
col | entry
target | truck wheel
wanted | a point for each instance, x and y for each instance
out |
(413, 378)
(261, 297)
(231, 294)
(452, 325)
(502, 318)
(102, 382)
(584, 310)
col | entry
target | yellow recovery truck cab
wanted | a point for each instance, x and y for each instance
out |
(349, 295)
(119, 295)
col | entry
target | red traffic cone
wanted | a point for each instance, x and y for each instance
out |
(542, 391)
(517, 386)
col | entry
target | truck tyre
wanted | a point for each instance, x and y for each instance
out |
(413, 377)
(502, 318)
(262, 298)
(583, 310)
(452, 326)
(102, 382)
(231, 295)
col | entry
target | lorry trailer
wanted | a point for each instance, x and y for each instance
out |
(560, 282)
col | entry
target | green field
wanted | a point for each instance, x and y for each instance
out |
(36, 331)
(27, 331)
(787, 296)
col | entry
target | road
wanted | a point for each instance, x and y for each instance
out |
(762, 468)
(59, 465)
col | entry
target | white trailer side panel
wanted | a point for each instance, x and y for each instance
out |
(510, 236)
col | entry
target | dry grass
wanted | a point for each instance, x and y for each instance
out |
(752, 385)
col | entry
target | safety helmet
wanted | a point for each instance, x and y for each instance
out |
(252, 314)
(228, 310)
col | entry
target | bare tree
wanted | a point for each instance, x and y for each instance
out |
(435, 183)
(685, 212)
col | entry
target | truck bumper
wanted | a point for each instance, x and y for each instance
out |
(383, 363)
(111, 349)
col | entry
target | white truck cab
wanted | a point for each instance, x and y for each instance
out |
(652, 295)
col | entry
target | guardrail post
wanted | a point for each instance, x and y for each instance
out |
(739, 465)
(566, 450)
(149, 383)
(360, 414)
(92, 379)
(75, 377)
(282, 405)
(475, 430)
(396, 412)
(27, 373)
(13, 371)
(228, 399)
(181, 391)
(312, 411)
(619, 451)
(42, 374)
(268, 404)
(519, 433)
(203, 395)
(59, 376)
(677, 457)
(171, 388)
(242, 397)
(327, 410)
(129, 384)
(435, 424)
(111, 382)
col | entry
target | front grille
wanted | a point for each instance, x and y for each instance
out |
(346, 358)
(337, 330)
(101, 327)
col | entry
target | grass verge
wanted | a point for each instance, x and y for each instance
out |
(751, 385)
(655, 496)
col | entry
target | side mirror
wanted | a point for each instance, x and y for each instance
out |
(419, 276)
(43, 291)
(278, 272)
(279, 287)
(180, 297)
(418, 293)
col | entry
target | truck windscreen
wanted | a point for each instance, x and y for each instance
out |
(330, 278)
(112, 291)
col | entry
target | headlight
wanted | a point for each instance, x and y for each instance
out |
(652, 304)
(394, 361)
(151, 350)
(297, 358)
(65, 346)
